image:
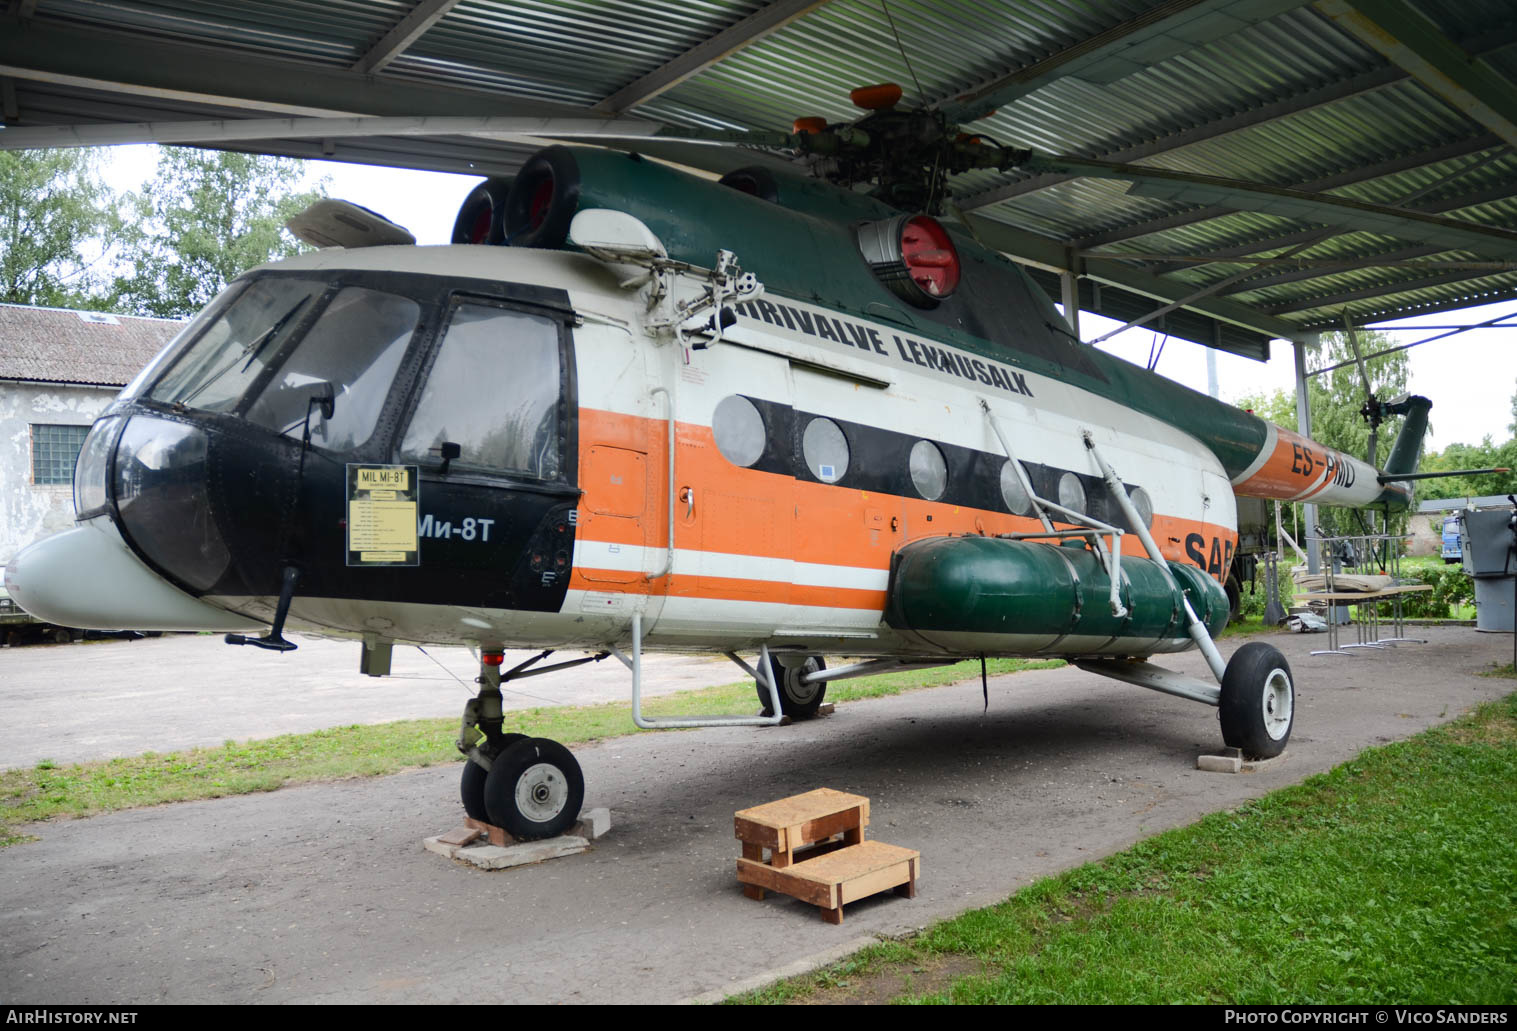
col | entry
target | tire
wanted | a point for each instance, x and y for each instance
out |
(471, 785)
(534, 789)
(1234, 599)
(60, 636)
(1258, 704)
(543, 200)
(482, 216)
(797, 700)
(471, 788)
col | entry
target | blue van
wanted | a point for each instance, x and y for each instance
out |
(1452, 551)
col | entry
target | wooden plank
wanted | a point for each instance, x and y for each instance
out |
(862, 887)
(909, 889)
(803, 808)
(784, 882)
(745, 829)
(824, 827)
(853, 861)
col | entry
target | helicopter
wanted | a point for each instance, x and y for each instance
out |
(788, 411)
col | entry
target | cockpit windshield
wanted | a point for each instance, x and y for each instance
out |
(214, 372)
(307, 354)
(351, 355)
(259, 357)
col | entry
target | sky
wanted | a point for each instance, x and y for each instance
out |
(1470, 377)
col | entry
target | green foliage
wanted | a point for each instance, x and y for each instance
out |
(58, 225)
(1452, 588)
(1484, 455)
(207, 217)
(1278, 407)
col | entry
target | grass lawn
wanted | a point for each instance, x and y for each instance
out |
(49, 790)
(1390, 879)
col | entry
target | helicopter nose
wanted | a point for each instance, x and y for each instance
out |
(88, 578)
(161, 488)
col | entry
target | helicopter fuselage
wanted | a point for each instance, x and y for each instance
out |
(783, 527)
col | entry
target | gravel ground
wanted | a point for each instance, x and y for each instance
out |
(323, 893)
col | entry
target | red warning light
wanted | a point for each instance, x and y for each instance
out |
(913, 256)
(929, 255)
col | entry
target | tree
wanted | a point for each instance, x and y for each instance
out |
(1485, 455)
(206, 217)
(59, 224)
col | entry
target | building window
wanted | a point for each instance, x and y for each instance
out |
(54, 451)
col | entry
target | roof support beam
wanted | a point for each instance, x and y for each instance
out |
(1240, 252)
(1382, 289)
(1405, 162)
(729, 41)
(119, 62)
(399, 39)
(1161, 32)
(1046, 252)
(1353, 86)
(1411, 41)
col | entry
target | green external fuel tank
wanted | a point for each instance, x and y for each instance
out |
(970, 595)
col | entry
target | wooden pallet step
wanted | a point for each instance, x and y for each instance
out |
(793, 822)
(833, 880)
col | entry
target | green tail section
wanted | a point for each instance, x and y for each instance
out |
(1407, 451)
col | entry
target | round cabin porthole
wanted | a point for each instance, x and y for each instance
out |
(738, 428)
(1017, 500)
(825, 449)
(1144, 504)
(929, 472)
(1072, 493)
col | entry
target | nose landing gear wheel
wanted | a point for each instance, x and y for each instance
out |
(534, 789)
(471, 785)
(797, 699)
(1258, 704)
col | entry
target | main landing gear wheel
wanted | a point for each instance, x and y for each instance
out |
(534, 789)
(471, 785)
(1258, 704)
(797, 699)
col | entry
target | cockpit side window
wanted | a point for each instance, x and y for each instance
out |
(351, 354)
(494, 391)
(216, 369)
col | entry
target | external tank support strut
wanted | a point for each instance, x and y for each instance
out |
(762, 675)
(1196, 628)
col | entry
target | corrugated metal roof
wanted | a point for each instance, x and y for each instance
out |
(1263, 91)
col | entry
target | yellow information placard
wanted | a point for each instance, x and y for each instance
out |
(382, 513)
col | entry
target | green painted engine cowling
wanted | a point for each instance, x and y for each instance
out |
(985, 594)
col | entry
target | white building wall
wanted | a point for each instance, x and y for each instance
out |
(29, 511)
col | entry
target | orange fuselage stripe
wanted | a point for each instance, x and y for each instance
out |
(738, 511)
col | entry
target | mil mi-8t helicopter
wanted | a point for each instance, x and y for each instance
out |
(633, 408)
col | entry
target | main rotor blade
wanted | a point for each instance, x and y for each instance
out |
(1205, 190)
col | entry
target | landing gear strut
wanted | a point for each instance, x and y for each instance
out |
(530, 787)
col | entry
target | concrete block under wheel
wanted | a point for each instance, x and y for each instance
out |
(1230, 760)
(500, 857)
